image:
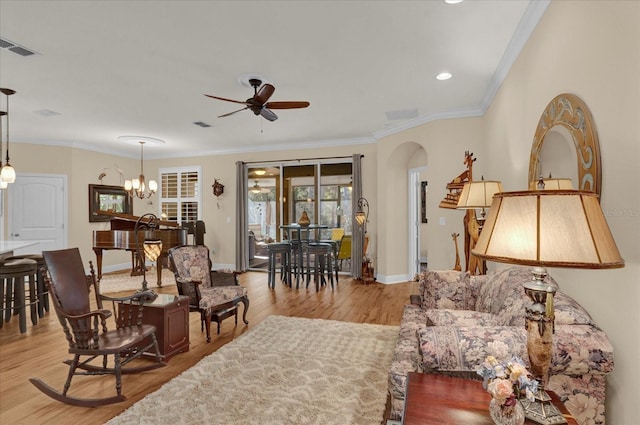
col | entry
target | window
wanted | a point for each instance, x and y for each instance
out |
(181, 194)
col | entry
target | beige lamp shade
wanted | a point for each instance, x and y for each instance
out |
(152, 249)
(552, 184)
(478, 194)
(549, 228)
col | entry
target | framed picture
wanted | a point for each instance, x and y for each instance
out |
(108, 198)
(423, 201)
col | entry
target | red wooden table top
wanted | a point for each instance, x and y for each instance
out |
(439, 399)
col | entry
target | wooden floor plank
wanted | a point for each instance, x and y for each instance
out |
(40, 351)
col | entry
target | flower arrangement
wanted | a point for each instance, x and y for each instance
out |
(507, 381)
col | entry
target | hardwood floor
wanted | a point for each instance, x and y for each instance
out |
(40, 352)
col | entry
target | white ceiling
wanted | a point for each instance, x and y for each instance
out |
(112, 68)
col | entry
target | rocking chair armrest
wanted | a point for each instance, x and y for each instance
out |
(105, 314)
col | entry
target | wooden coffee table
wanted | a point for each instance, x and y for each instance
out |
(439, 399)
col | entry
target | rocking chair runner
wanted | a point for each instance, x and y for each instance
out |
(215, 295)
(87, 332)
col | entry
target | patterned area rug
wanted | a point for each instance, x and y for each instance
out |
(124, 282)
(287, 370)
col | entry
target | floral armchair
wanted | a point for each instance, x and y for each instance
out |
(454, 322)
(215, 295)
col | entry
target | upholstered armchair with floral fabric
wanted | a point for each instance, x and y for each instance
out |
(214, 294)
(457, 319)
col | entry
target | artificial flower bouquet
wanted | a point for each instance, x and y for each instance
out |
(507, 381)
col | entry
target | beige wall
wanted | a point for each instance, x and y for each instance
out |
(591, 49)
(83, 167)
(221, 234)
(443, 144)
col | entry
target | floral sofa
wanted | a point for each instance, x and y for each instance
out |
(458, 319)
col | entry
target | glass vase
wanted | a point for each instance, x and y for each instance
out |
(506, 415)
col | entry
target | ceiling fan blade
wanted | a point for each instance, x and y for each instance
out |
(231, 113)
(264, 94)
(268, 114)
(286, 105)
(228, 100)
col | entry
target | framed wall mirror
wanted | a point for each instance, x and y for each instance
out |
(108, 198)
(566, 136)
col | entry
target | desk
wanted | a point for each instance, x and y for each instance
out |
(439, 399)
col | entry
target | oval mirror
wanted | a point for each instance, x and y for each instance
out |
(566, 135)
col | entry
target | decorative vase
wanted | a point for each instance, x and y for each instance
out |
(506, 415)
(304, 219)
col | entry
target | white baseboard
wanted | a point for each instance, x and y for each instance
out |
(400, 278)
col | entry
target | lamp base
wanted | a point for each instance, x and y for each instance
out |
(542, 411)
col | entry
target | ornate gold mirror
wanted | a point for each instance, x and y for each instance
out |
(566, 118)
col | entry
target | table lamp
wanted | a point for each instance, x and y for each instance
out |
(478, 195)
(551, 183)
(151, 246)
(546, 228)
(362, 216)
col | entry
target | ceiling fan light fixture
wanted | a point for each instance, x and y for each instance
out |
(245, 79)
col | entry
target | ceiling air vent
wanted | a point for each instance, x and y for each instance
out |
(202, 124)
(15, 48)
(5, 43)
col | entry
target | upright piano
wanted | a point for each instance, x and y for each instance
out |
(122, 236)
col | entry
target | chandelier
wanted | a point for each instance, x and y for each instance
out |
(138, 187)
(7, 173)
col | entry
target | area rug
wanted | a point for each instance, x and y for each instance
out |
(286, 370)
(124, 282)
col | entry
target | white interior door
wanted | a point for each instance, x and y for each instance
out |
(37, 211)
(414, 221)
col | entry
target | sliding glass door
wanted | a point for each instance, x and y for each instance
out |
(278, 193)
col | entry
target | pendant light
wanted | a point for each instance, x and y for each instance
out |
(8, 173)
(138, 187)
(3, 185)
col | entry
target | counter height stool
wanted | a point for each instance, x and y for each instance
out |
(281, 251)
(321, 254)
(12, 277)
(335, 246)
(42, 291)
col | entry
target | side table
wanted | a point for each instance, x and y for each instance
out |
(170, 315)
(439, 399)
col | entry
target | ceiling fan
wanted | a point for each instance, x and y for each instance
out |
(258, 103)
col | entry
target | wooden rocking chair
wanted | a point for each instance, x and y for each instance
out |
(86, 330)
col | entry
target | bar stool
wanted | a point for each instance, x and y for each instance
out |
(334, 252)
(12, 275)
(42, 291)
(322, 262)
(296, 260)
(281, 251)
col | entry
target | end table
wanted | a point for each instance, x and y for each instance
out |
(170, 315)
(439, 399)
